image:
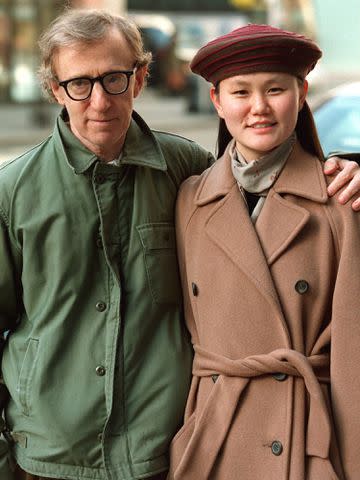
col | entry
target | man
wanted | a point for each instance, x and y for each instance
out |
(96, 363)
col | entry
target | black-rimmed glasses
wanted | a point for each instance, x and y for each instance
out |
(114, 83)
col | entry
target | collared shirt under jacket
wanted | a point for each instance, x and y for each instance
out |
(97, 362)
(274, 314)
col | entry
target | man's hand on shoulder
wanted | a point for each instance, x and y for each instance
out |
(347, 177)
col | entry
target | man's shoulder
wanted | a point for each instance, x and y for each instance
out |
(180, 151)
(14, 166)
(21, 170)
(173, 140)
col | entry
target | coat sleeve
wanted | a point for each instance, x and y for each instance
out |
(345, 339)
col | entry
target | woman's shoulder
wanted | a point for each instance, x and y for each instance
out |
(190, 186)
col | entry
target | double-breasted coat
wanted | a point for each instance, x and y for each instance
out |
(274, 315)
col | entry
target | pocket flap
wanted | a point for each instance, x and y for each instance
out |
(155, 236)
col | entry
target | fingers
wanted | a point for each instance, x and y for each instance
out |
(348, 176)
(331, 165)
(356, 205)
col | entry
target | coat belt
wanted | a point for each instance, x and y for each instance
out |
(216, 417)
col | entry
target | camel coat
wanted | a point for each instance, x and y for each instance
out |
(274, 315)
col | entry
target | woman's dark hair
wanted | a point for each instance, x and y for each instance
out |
(223, 138)
(307, 134)
(305, 130)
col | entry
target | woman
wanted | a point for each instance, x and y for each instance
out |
(270, 271)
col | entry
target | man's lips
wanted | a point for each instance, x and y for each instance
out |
(102, 120)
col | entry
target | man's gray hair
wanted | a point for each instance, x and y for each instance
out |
(85, 26)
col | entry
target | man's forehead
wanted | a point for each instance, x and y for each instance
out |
(112, 38)
(108, 53)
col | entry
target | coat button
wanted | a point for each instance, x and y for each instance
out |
(195, 289)
(276, 448)
(100, 306)
(100, 437)
(100, 370)
(280, 377)
(99, 242)
(301, 286)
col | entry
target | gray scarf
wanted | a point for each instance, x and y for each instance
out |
(259, 175)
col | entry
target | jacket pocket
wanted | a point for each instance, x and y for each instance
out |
(26, 375)
(159, 248)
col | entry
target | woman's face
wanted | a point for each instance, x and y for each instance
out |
(260, 109)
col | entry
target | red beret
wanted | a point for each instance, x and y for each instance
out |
(255, 48)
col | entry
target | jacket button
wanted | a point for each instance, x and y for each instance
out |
(100, 306)
(280, 377)
(99, 242)
(195, 289)
(100, 179)
(301, 286)
(276, 448)
(100, 437)
(100, 370)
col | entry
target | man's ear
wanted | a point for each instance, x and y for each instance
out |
(58, 92)
(214, 95)
(140, 76)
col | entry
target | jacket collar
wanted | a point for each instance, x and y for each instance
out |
(302, 176)
(141, 147)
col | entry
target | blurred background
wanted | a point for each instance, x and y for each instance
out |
(175, 100)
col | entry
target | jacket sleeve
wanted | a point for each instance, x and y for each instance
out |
(8, 316)
(8, 298)
(355, 156)
(9, 287)
(345, 340)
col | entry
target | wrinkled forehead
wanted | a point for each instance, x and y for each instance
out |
(110, 52)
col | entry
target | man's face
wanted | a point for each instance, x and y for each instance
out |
(101, 121)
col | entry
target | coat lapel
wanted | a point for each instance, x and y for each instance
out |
(229, 226)
(281, 220)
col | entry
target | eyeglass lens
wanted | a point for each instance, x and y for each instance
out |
(113, 83)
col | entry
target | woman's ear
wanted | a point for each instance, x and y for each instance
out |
(214, 95)
(303, 93)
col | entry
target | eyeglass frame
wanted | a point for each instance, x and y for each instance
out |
(93, 80)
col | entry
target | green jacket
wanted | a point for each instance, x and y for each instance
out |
(97, 362)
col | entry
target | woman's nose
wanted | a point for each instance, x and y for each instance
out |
(259, 104)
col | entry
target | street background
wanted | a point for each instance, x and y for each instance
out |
(18, 131)
(175, 100)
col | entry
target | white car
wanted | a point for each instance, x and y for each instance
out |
(337, 118)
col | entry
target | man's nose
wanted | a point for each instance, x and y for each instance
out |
(99, 98)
